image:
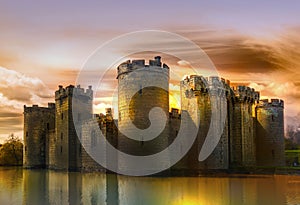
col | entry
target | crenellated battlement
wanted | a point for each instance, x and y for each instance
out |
(197, 84)
(36, 108)
(71, 90)
(271, 103)
(130, 66)
(219, 86)
(246, 94)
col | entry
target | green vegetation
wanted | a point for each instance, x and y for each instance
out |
(292, 151)
(292, 157)
(11, 152)
(292, 138)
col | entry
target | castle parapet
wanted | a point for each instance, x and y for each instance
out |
(272, 103)
(214, 85)
(36, 108)
(130, 66)
(72, 90)
(195, 83)
(246, 94)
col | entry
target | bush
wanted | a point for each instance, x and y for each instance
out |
(11, 152)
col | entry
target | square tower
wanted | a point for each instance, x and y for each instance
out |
(73, 105)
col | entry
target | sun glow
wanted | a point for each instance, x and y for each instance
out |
(187, 202)
(174, 100)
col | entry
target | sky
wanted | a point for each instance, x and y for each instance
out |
(45, 44)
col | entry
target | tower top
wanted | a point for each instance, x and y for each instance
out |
(72, 90)
(246, 94)
(130, 66)
(36, 108)
(265, 103)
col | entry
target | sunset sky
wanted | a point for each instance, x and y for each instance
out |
(44, 44)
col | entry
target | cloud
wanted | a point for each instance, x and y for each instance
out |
(16, 86)
(16, 90)
(234, 52)
(286, 90)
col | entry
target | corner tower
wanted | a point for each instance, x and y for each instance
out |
(39, 122)
(73, 105)
(270, 133)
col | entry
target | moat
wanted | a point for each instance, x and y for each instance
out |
(21, 186)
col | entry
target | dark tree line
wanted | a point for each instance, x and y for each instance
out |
(292, 140)
(11, 152)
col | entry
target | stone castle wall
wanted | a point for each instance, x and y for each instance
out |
(90, 139)
(91, 130)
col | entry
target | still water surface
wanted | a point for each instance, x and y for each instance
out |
(18, 186)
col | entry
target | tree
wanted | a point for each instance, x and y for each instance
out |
(292, 140)
(11, 152)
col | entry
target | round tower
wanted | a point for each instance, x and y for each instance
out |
(135, 101)
(270, 133)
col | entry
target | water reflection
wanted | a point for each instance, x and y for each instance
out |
(19, 186)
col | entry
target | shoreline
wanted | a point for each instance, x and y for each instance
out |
(238, 172)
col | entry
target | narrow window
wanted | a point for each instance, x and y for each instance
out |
(93, 138)
(272, 118)
(26, 134)
(141, 90)
(62, 116)
(61, 149)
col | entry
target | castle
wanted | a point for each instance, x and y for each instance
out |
(253, 134)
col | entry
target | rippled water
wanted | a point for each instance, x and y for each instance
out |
(18, 186)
